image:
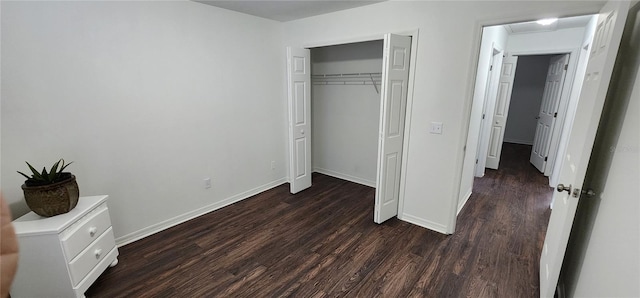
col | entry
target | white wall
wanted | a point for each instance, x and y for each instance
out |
(564, 39)
(345, 118)
(449, 39)
(526, 98)
(493, 36)
(147, 99)
(603, 257)
(0, 101)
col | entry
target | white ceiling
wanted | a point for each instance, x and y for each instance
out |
(563, 23)
(287, 10)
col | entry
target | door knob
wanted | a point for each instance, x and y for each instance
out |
(302, 131)
(562, 188)
(537, 117)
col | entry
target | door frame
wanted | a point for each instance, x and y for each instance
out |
(473, 69)
(565, 97)
(414, 34)
(562, 107)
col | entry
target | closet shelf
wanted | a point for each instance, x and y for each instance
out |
(360, 78)
(347, 75)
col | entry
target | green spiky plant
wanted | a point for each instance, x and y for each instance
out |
(45, 178)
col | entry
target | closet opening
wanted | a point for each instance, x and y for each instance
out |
(347, 114)
(345, 110)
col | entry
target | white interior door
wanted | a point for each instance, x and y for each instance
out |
(395, 81)
(488, 107)
(548, 110)
(299, 99)
(499, 122)
(572, 172)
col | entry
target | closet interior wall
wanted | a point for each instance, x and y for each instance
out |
(345, 110)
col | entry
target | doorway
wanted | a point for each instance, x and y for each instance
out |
(345, 110)
(391, 82)
(514, 40)
(518, 40)
(533, 106)
(528, 107)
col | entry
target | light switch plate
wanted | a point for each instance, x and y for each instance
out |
(436, 128)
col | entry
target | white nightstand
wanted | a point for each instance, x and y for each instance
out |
(62, 256)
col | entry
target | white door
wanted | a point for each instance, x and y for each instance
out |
(580, 143)
(395, 81)
(299, 98)
(505, 86)
(488, 105)
(548, 110)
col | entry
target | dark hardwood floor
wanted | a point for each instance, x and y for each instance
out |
(323, 242)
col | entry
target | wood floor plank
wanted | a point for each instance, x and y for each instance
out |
(322, 242)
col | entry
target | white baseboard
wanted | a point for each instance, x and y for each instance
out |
(345, 177)
(161, 226)
(464, 202)
(424, 223)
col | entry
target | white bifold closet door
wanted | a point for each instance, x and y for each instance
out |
(299, 99)
(395, 81)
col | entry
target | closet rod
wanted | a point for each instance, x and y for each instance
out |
(347, 75)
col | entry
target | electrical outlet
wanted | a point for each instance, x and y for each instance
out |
(207, 183)
(273, 165)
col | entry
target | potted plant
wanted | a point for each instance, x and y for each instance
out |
(51, 193)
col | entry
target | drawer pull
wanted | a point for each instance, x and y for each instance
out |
(98, 253)
(92, 231)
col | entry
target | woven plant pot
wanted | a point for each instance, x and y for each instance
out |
(53, 199)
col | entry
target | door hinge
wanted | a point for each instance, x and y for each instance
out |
(491, 68)
(482, 116)
(476, 161)
(545, 159)
(555, 115)
(566, 66)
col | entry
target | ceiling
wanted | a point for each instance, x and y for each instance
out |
(563, 23)
(284, 11)
(288, 10)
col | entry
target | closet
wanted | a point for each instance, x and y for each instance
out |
(347, 115)
(345, 110)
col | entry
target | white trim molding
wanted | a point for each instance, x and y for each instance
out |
(425, 223)
(347, 177)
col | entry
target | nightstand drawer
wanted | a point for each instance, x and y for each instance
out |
(91, 256)
(78, 236)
